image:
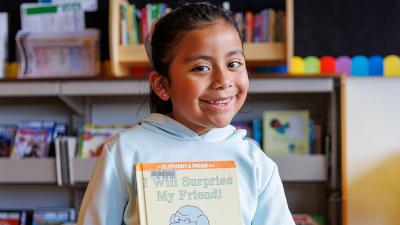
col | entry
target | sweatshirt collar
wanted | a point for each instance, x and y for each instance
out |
(167, 126)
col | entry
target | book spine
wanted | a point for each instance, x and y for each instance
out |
(140, 194)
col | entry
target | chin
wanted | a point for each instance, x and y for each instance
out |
(220, 123)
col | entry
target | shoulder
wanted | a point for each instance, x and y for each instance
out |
(263, 166)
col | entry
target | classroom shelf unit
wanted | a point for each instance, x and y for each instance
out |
(312, 182)
(123, 58)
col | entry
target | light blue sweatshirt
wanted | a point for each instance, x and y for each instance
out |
(110, 198)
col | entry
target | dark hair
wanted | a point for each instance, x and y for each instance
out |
(167, 34)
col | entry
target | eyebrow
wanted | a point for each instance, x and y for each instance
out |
(208, 58)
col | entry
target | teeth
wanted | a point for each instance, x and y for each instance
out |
(221, 101)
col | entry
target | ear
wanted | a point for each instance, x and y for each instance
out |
(160, 85)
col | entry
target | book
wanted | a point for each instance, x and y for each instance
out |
(53, 216)
(32, 139)
(3, 43)
(245, 125)
(65, 149)
(13, 217)
(7, 133)
(188, 193)
(286, 132)
(308, 219)
(94, 136)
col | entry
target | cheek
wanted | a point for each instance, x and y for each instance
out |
(242, 83)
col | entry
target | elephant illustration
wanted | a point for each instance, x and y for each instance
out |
(189, 215)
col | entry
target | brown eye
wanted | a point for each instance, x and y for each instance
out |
(234, 64)
(201, 69)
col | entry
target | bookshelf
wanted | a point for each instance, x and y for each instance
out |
(309, 180)
(257, 54)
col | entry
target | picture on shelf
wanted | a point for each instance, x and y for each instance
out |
(54, 216)
(7, 133)
(93, 137)
(286, 132)
(32, 139)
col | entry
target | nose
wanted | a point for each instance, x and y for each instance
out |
(221, 79)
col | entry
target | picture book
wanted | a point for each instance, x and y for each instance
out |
(13, 217)
(308, 219)
(3, 43)
(32, 139)
(53, 216)
(245, 125)
(203, 193)
(94, 136)
(286, 132)
(7, 133)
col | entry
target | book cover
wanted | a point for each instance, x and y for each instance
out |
(201, 193)
(32, 139)
(308, 219)
(286, 132)
(13, 217)
(53, 216)
(7, 133)
(94, 136)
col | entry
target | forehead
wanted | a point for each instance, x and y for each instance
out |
(220, 35)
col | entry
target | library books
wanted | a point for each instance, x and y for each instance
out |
(93, 137)
(7, 133)
(200, 193)
(3, 43)
(13, 217)
(56, 216)
(65, 150)
(32, 139)
(308, 219)
(286, 132)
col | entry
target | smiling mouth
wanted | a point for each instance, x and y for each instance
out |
(223, 102)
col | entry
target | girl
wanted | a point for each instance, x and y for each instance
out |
(199, 82)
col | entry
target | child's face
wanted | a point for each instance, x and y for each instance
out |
(208, 78)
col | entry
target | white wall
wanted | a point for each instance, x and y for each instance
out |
(373, 151)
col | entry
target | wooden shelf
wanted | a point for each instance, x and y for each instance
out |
(28, 170)
(256, 54)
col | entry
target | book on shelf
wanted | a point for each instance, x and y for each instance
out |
(14, 217)
(188, 193)
(286, 132)
(56, 216)
(135, 23)
(32, 139)
(244, 125)
(65, 151)
(3, 43)
(93, 137)
(7, 133)
(308, 219)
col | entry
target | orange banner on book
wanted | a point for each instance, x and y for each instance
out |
(185, 165)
